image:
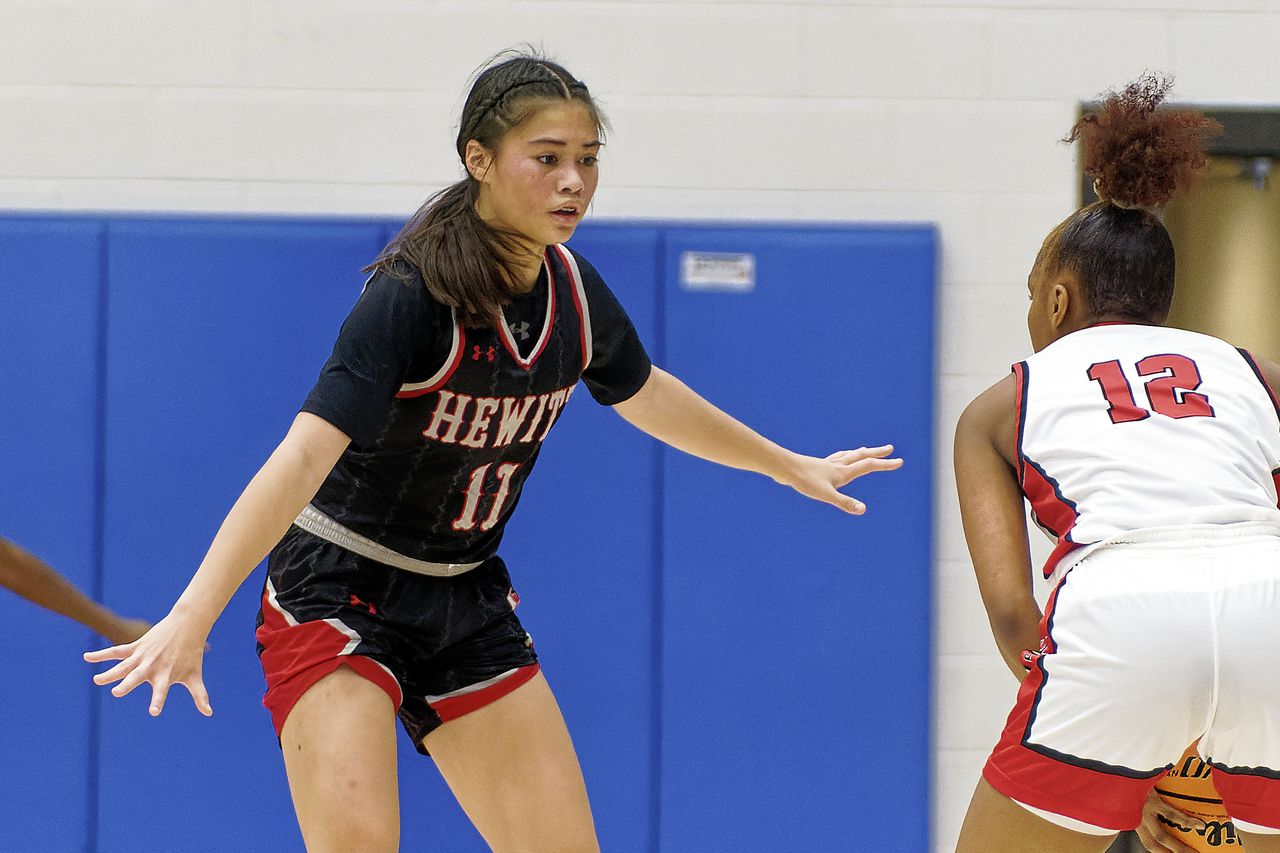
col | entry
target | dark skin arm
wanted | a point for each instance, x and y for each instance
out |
(1270, 371)
(36, 581)
(995, 525)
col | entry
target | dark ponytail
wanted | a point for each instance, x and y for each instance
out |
(465, 263)
(1140, 157)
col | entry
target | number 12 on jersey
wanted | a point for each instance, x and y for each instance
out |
(1170, 389)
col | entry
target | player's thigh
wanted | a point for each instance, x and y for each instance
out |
(995, 822)
(339, 746)
(514, 771)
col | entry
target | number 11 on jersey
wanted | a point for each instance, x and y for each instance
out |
(466, 519)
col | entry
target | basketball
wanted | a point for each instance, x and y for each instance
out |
(1188, 787)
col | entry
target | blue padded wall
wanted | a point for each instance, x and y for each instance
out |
(216, 330)
(49, 336)
(729, 656)
(796, 638)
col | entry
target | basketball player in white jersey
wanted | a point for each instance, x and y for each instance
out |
(1150, 455)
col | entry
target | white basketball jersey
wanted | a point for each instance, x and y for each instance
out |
(1123, 427)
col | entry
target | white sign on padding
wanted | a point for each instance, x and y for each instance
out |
(729, 271)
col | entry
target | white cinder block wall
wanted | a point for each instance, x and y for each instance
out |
(944, 111)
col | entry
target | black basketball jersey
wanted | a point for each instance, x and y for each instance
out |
(446, 422)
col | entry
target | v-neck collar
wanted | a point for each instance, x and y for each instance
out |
(504, 331)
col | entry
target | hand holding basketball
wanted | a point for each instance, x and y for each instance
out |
(172, 652)
(821, 479)
(1154, 832)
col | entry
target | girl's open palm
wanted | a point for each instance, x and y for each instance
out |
(172, 652)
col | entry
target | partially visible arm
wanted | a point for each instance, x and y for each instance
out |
(995, 525)
(671, 412)
(1152, 831)
(35, 580)
(171, 652)
(1270, 371)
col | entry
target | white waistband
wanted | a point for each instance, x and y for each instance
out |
(1173, 537)
(1188, 534)
(317, 523)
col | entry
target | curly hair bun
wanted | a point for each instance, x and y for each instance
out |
(1140, 156)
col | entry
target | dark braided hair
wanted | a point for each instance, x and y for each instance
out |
(1140, 157)
(466, 263)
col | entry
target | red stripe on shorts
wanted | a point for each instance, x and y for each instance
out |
(454, 705)
(295, 656)
(1037, 779)
(1249, 797)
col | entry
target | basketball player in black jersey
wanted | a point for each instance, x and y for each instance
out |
(386, 501)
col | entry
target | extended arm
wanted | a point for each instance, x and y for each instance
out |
(172, 651)
(37, 581)
(995, 525)
(671, 412)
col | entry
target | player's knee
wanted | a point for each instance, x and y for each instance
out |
(356, 835)
(560, 820)
(570, 830)
(560, 840)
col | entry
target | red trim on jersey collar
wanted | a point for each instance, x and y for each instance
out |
(504, 333)
(577, 303)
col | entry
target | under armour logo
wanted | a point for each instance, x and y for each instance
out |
(520, 330)
(356, 602)
(477, 353)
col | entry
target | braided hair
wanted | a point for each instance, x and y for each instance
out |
(466, 263)
(1140, 157)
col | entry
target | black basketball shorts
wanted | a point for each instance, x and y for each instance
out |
(440, 647)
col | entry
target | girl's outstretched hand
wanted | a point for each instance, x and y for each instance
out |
(821, 479)
(172, 652)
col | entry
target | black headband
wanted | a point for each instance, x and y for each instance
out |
(576, 85)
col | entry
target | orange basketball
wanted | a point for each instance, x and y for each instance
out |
(1188, 787)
